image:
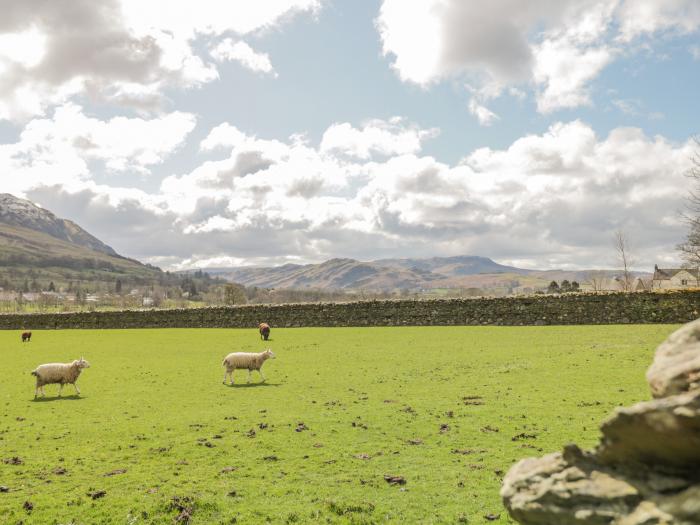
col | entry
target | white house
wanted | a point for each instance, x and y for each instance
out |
(675, 278)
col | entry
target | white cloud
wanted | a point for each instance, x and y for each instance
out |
(645, 17)
(211, 17)
(59, 150)
(122, 143)
(223, 135)
(376, 136)
(556, 47)
(124, 51)
(484, 115)
(553, 198)
(26, 48)
(565, 72)
(630, 107)
(244, 54)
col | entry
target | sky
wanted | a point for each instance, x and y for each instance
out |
(262, 132)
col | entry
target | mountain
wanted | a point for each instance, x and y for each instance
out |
(383, 274)
(332, 274)
(22, 213)
(435, 273)
(37, 246)
(452, 266)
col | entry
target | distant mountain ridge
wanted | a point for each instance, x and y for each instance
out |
(331, 274)
(463, 271)
(23, 213)
(382, 274)
(452, 266)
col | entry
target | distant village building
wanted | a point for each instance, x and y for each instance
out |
(675, 278)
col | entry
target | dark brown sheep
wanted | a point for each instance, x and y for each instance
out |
(264, 331)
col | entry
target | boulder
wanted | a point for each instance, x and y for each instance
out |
(664, 433)
(676, 366)
(646, 468)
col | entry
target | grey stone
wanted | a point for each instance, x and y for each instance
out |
(646, 469)
(676, 366)
(663, 432)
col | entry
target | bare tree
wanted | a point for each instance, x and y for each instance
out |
(625, 261)
(597, 279)
(690, 249)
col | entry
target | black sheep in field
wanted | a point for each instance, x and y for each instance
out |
(264, 331)
(26, 337)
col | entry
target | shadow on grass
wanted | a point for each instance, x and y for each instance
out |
(250, 385)
(74, 397)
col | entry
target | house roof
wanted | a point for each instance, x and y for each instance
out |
(663, 274)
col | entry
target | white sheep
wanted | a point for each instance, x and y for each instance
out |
(61, 373)
(247, 361)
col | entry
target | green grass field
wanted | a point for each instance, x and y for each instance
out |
(449, 409)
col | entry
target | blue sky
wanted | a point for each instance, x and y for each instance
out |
(300, 130)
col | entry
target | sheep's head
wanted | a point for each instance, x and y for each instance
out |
(81, 363)
(268, 354)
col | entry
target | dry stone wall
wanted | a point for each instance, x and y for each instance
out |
(615, 308)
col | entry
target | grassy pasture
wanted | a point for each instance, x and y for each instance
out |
(313, 444)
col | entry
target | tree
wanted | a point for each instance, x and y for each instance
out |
(622, 247)
(597, 279)
(690, 249)
(234, 294)
(553, 287)
(80, 296)
(575, 286)
(118, 286)
(565, 286)
(52, 287)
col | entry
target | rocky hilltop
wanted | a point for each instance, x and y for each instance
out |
(644, 471)
(38, 248)
(23, 213)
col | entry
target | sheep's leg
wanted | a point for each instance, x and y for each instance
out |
(60, 389)
(36, 391)
(249, 375)
(225, 374)
(76, 388)
(262, 375)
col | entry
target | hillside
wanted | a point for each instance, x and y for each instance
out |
(436, 273)
(24, 214)
(452, 266)
(38, 247)
(332, 274)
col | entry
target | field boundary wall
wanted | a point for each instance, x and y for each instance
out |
(610, 308)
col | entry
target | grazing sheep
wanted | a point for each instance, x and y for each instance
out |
(60, 373)
(247, 361)
(26, 336)
(264, 331)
